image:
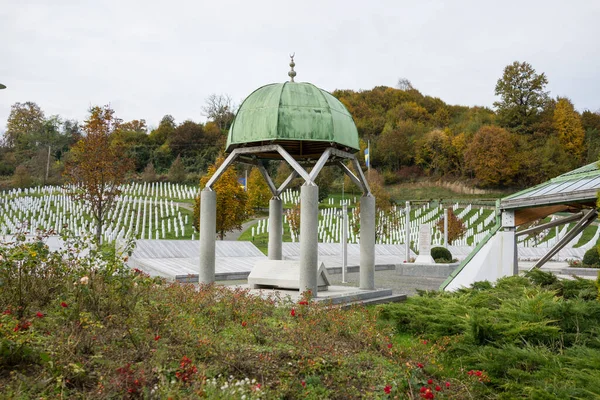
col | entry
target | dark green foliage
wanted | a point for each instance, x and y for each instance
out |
(539, 277)
(535, 336)
(441, 254)
(591, 257)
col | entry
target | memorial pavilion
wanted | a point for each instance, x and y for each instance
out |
(308, 128)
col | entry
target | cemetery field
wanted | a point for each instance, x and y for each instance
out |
(477, 216)
(164, 211)
(142, 211)
(92, 328)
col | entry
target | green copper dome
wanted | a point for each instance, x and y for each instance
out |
(302, 118)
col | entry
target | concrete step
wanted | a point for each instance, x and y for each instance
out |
(394, 298)
(358, 296)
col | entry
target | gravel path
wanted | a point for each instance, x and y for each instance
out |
(235, 235)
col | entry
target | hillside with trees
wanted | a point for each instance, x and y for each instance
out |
(528, 137)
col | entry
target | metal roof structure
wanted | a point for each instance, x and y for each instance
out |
(302, 118)
(571, 191)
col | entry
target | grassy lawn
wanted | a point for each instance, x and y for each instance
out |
(408, 192)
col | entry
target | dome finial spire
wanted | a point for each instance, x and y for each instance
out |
(292, 73)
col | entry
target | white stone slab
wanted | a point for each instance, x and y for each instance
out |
(283, 274)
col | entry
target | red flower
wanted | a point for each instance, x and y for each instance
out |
(303, 303)
(244, 323)
(478, 373)
(64, 305)
(387, 389)
(6, 312)
(303, 384)
(423, 389)
(437, 388)
(22, 326)
(419, 365)
(424, 341)
(156, 337)
(389, 345)
(39, 315)
(447, 384)
(470, 373)
(293, 312)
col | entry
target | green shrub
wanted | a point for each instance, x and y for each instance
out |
(441, 254)
(591, 257)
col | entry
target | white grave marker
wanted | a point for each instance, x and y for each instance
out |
(424, 256)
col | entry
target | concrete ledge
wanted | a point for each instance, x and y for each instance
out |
(237, 276)
(336, 295)
(356, 268)
(580, 271)
(224, 276)
(426, 270)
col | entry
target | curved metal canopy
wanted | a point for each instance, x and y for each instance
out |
(302, 118)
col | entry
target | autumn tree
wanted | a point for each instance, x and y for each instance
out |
(177, 171)
(22, 177)
(25, 123)
(456, 228)
(569, 129)
(436, 154)
(383, 200)
(258, 191)
(231, 200)
(149, 174)
(133, 139)
(293, 219)
(522, 96)
(491, 156)
(591, 124)
(97, 165)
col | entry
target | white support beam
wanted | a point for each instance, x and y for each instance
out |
(295, 165)
(268, 179)
(287, 181)
(320, 164)
(350, 174)
(340, 153)
(228, 161)
(583, 223)
(361, 176)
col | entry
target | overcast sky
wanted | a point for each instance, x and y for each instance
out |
(150, 58)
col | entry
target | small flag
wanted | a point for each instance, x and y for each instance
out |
(242, 182)
(367, 159)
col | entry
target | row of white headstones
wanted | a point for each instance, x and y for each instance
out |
(144, 211)
(391, 227)
(150, 211)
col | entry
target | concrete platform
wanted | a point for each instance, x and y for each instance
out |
(426, 270)
(335, 295)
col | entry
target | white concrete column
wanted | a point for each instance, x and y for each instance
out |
(367, 242)
(309, 237)
(275, 228)
(208, 229)
(510, 263)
